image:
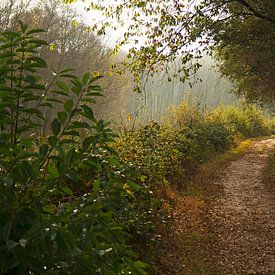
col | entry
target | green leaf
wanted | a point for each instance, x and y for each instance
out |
(72, 175)
(66, 71)
(59, 92)
(96, 187)
(71, 133)
(35, 31)
(143, 178)
(39, 61)
(39, 42)
(65, 240)
(133, 185)
(86, 77)
(7, 54)
(67, 141)
(53, 171)
(30, 79)
(100, 125)
(62, 116)
(79, 125)
(94, 78)
(33, 111)
(43, 150)
(46, 105)
(51, 99)
(69, 157)
(139, 268)
(23, 26)
(63, 86)
(87, 142)
(76, 90)
(52, 140)
(94, 94)
(89, 100)
(96, 88)
(66, 190)
(68, 106)
(56, 127)
(88, 112)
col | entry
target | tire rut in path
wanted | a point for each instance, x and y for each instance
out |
(244, 216)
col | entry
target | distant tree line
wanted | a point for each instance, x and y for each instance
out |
(71, 45)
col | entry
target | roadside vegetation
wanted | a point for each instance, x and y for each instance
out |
(190, 136)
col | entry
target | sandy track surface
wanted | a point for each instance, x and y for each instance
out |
(244, 216)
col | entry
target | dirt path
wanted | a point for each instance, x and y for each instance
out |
(230, 229)
(244, 216)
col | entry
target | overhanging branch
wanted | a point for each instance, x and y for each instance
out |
(256, 12)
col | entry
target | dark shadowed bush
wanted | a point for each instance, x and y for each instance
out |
(65, 199)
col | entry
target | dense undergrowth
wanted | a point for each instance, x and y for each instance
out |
(80, 198)
(190, 136)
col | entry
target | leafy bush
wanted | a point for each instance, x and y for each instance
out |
(63, 197)
(245, 121)
(205, 135)
(220, 137)
(150, 149)
(172, 152)
(184, 115)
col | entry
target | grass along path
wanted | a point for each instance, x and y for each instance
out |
(224, 222)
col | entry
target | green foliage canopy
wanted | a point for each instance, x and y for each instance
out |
(246, 52)
(166, 30)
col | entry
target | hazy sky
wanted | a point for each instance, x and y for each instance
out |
(92, 17)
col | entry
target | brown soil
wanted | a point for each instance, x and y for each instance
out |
(227, 227)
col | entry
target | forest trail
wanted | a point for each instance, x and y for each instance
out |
(226, 232)
(244, 215)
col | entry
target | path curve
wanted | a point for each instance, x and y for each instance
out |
(244, 216)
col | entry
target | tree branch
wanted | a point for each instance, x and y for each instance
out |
(256, 12)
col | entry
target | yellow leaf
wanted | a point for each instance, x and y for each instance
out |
(95, 74)
(128, 190)
(143, 178)
(130, 117)
(75, 23)
(52, 47)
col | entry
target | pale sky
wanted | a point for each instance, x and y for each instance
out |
(91, 17)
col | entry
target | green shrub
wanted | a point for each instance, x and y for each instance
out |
(64, 197)
(163, 153)
(220, 137)
(184, 115)
(205, 136)
(150, 149)
(244, 121)
(189, 137)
